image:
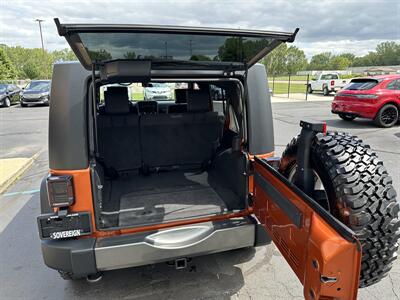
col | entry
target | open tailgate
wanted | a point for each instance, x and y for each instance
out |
(323, 252)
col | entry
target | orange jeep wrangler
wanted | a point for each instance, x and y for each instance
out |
(168, 178)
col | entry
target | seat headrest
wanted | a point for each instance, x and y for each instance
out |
(181, 96)
(147, 107)
(198, 100)
(116, 100)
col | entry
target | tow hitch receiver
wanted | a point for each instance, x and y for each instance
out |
(304, 178)
(180, 263)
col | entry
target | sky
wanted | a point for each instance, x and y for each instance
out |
(355, 26)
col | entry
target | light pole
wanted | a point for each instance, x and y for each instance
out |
(40, 28)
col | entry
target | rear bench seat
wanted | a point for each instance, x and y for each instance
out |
(118, 133)
(177, 139)
(128, 141)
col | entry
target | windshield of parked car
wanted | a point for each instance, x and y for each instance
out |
(3, 88)
(38, 86)
(157, 85)
(362, 84)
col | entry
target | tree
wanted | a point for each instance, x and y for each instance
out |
(339, 63)
(7, 70)
(63, 55)
(388, 53)
(130, 55)
(370, 59)
(30, 63)
(275, 61)
(295, 60)
(349, 56)
(285, 60)
(320, 61)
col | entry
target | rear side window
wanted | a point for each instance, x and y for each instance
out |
(394, 85)
(362, 84)
(329, 76)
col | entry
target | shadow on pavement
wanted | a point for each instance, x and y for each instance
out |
(355, 124)
(212, 276)
(30, 106)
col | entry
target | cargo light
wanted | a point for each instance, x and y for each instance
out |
(60, 191)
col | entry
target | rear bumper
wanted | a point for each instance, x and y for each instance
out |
(41, 100)
(89, 255)
(157, 97)
(359, 109)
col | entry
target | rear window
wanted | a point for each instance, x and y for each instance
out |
(329, 76)
(181, 47)
(156, 91)
(362, 84)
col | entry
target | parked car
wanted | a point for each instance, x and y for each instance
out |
(37, 92)
(157, 91)
(326, 83)
(130, 186)
(376, 98)
(9, 94)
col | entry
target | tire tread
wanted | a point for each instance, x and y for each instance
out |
(363, 189)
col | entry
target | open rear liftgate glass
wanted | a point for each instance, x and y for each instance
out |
(171, 47)
(323, 252)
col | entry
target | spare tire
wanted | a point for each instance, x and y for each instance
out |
(359, 192)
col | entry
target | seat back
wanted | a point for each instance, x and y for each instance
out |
(178, 139)
(118, 132)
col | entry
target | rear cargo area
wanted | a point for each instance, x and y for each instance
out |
(155, 167)
(139, 200)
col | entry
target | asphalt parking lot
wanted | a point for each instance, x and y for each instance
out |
(241, 274)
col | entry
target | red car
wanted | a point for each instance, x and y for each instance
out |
(376, 98)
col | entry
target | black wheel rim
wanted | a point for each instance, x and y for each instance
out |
(389, 115)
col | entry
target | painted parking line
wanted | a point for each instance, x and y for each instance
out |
(21, 193)
(12, 202)
(11, 169)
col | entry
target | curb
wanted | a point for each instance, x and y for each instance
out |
(5, 185)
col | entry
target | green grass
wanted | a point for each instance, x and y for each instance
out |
(138, 96)
(292, 78)
(282, 88)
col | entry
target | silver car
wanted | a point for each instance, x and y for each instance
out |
(157, 91)
(37, 92)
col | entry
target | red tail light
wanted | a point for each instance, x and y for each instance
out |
(332, 82)
(60, 191)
